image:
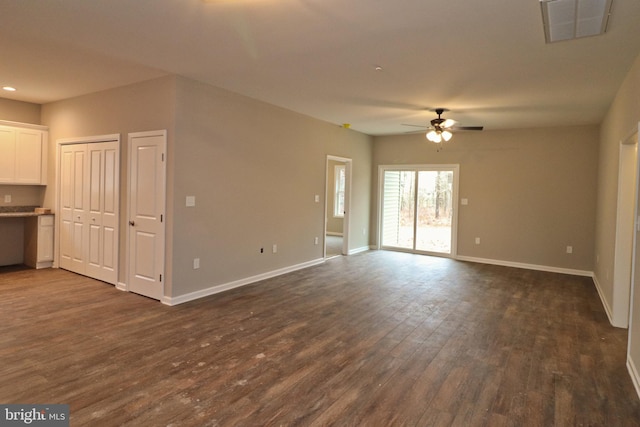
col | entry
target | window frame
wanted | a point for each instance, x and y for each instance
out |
(339, 180)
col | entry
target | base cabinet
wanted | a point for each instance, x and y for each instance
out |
(38, 242)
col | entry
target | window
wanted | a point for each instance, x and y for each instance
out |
(417, 209)
(338, 199)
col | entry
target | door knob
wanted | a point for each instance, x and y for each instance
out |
(132, 223)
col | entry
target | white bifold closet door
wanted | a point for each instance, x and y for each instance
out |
(89, 199)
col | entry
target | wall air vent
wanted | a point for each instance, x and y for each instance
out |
(572, 19)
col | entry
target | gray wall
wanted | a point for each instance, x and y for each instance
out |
(18, 111)
(134, 108)
(531, 192)
(622, 119)
(254, 169)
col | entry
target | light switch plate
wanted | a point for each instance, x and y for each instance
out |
(464, 201)
(191, 201)
(7, 198)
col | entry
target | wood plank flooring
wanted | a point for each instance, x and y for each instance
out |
(375, 339)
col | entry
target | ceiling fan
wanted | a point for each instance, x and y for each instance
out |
(441, 129)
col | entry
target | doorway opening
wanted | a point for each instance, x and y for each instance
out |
(418, 211)
(337, 203)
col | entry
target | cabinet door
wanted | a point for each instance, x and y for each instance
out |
(7, 154)
(28, 156)
(45, 238)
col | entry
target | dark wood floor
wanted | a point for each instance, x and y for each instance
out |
(376, 339)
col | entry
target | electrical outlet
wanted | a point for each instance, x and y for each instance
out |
(274, 249)
(261, 250)
(196, 263)
(477, 240)
(315, 241)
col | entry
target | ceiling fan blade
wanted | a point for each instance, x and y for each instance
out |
(417, 126)
(416, 131)
(468, 128)
(448, 123)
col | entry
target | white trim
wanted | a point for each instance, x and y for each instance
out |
(122, 286)
(526, 266)
(114, 137)
(634, 256)
(23, 125)
(633, 372)
(625, 221)
(605, 304)
(359, 250)
(331, 233)
(237, 283)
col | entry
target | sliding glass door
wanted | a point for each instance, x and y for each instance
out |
(418, 208)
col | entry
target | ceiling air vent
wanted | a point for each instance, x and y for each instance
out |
(572, 19)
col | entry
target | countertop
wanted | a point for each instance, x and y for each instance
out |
(19, 211)
(20, 214)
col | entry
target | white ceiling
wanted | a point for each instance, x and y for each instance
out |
(486, 61)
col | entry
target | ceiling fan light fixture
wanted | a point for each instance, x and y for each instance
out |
(434, 136)
(446, 135)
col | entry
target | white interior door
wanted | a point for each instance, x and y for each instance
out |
(88, 206)
(73, 207)
(146, 213)
(102, 227)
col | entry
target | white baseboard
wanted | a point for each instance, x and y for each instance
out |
(526, 266)
(122, 286)
(633, 371)
(358, 250)
(603, 300)
(237, 283)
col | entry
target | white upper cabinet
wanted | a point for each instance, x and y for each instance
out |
(7, 154)
(23, 154)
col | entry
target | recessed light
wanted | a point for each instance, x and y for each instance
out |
(9, 88)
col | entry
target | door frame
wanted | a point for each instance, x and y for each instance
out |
(454, 196)
(347, 202)
(623, 251)
(115, 137)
